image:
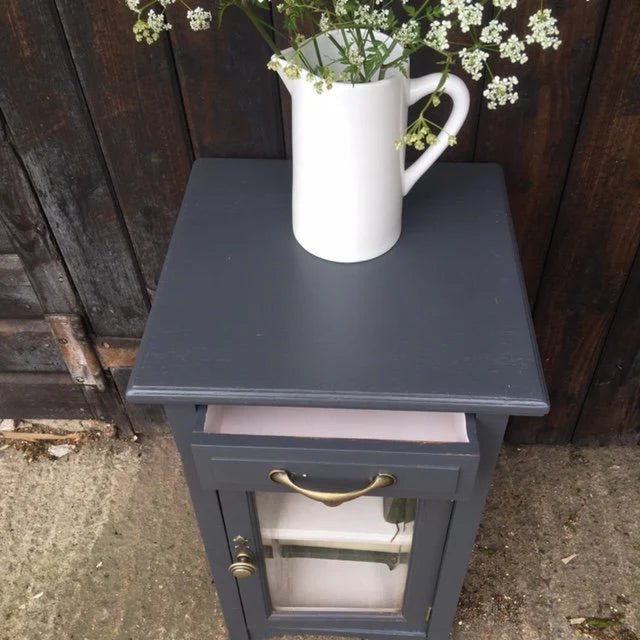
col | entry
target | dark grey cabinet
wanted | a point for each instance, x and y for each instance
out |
(339, 424)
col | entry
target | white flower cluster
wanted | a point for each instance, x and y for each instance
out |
(149, 30)
(354, 56)
(325, 22)
(438, 35)
(199, 19)
(505, 4)
(472, 61)
(469, 12)
(544, 30)
(372, 18)
(492, 33)
(501, 91)
(514, 50)
(340, 7)
(408, 33)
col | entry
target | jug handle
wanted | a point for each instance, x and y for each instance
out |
(421, 87)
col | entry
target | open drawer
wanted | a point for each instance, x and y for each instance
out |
(427, 454)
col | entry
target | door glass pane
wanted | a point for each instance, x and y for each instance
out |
(353, 557)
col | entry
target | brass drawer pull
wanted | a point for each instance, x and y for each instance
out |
(331, 499)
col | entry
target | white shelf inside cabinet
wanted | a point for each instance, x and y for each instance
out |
(359, 524)
(358, 424)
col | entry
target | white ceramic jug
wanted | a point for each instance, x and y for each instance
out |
(348, 177)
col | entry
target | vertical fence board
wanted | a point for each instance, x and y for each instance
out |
(6, 246)
(597, 232)
(611, 412)
(533, 140)
(51, 131)
(25, 224)
(133, 97)
(231, 99)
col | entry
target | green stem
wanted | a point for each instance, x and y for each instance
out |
(260, 28)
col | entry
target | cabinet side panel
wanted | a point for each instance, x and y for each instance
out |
(209, 516)
(462, 530)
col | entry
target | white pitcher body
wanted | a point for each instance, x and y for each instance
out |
(348, 176)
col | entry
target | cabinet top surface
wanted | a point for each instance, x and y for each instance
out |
(244, 315)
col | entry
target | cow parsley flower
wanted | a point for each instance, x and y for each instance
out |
(513, 49)
(408, 33)
(372, 18)
(544, 30)
(199, 19)
(501, 91)
(470, 16)
(166, 3)
(472, 61)
(354, 55)
(438, 35)
(469, 12)
(341, 7)
(451, 6)
(157, 22)
(492, 33)
(505, 4)
(134, 5)
(325, 22)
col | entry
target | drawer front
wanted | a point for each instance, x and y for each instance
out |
(245, 462)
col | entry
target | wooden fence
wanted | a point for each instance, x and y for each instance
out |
(98, 135)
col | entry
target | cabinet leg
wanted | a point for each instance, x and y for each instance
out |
(463, 528)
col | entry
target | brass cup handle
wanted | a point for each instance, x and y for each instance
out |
(282, 477)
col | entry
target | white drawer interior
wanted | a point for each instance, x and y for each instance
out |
(359, 424)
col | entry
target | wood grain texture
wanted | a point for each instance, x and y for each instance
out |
(27, 345)
(231, 99)
(611, 412)
(597, 232)
(52, 133)
(6, 246)
(533, 140)
(17, 297)
(28, 233)
(41, 395)
(132, 94)
(145, 419)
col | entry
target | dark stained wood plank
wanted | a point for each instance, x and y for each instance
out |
(597, 232)
(50, 129)
(611, 412)
(231, 99)
(108, 406)
(41, 395)
(17, 297)
(533, 140)
(6, 246)
(133, 96)
(145, 419)
(27, 345)
(28, 232)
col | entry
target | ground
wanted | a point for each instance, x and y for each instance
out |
(102, 544)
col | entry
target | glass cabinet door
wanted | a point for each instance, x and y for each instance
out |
(370, 564)
(349, 558)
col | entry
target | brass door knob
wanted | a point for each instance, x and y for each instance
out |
(243, 566)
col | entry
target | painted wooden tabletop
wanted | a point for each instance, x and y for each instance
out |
(244, 315)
